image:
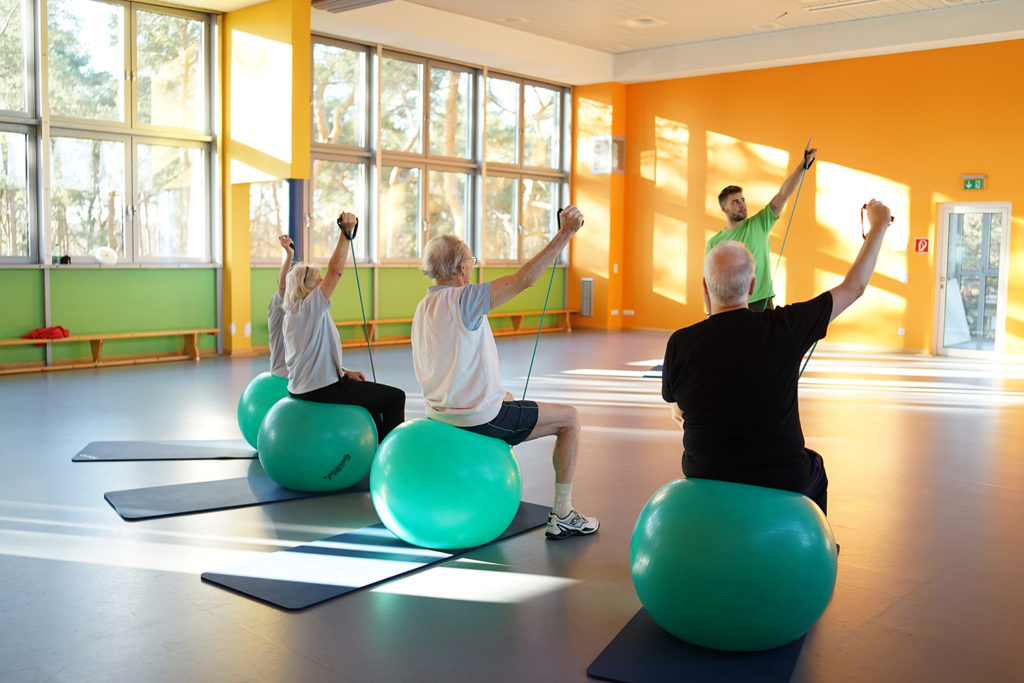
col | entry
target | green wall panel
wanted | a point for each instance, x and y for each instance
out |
(532, 299)
(132, 300)
(344, 301)
(22, 312)
(401, 289)
(262, 283)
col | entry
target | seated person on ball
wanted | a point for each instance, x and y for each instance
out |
(456, 362)
(732, 378)
(313, 347)
(275, 312)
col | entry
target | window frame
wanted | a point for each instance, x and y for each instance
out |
(31, 193)
(519, 171)
(475, 165)
(132, 133)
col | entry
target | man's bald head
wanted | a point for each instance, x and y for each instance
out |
(728, 272)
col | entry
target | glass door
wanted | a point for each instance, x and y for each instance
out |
(971, 290)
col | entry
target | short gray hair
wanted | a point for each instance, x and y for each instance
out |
(728, 272)
(442, 257)
(298, 283)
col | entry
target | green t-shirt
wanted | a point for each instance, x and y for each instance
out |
(753, 232)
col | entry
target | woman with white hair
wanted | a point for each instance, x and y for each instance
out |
(456, 363)
(313, 347)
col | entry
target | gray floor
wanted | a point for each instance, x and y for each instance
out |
(927, 500)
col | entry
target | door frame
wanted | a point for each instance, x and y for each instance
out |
(945, 209)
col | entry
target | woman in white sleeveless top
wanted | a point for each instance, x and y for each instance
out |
(313, 347)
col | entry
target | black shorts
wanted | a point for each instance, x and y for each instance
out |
(513, 424)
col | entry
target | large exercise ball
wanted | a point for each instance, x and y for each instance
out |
(309, 446)
(438, 486)
(731, 566)
(262, 392)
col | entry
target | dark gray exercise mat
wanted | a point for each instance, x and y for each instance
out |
(308, 574)
(643, 652)
(110, 451)
(205, 496)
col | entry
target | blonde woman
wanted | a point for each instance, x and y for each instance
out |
(313, 347)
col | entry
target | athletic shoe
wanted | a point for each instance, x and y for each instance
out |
(573, 524)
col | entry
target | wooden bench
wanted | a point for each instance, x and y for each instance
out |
(516, 317)
(190, 349)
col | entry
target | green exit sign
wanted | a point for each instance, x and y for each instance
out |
(974, 184)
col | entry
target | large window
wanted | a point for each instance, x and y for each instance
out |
(14, 196)
(17, 133)
(340, 174)
(269, 204)
(525, 182)
(427, 168)
(126, 155)
(435, 148)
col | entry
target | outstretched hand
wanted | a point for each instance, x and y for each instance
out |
(348, 223)
(570, 219)
(287, 244)
(810, 154)
(879, 215)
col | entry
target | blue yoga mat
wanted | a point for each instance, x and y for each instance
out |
(308, 574)
(205, 496)
(113, 451)
(643, 652)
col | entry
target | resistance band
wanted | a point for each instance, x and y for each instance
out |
(359, 290)
(540, 325)
(807, 165)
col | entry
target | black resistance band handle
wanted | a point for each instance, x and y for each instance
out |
(355, 229)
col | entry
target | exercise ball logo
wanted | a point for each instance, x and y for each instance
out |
(333, 473)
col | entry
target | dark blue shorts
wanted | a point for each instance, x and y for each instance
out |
(513, 424)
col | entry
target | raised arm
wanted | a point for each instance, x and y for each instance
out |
(506, 288)
(856, 280)
(789, 185)
(339, 257)
(286, 265)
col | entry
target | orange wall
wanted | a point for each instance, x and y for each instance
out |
(597, 250)
(899, 127)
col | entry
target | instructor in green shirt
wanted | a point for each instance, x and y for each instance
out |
(753, 231)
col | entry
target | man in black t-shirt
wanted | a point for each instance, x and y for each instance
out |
(732, 379)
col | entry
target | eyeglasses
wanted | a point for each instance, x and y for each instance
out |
(471, 259)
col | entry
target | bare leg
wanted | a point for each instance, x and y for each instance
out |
(564, 423)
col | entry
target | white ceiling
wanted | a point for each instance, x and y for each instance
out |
(615, 27)
(587, 41)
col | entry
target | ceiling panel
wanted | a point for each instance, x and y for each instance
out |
(617, 27)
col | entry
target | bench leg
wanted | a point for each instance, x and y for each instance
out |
(192, 346)
(97, 349)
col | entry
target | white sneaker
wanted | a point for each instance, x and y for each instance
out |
(573, 524)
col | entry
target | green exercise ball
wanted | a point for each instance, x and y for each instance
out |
(438, 486)
(731, 566)
(309, 446)
(262, 392)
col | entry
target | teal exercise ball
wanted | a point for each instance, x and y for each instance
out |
(262, 392)
(309, 446)
(730, 566)
(438, 486)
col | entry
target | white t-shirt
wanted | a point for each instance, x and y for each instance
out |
(455, 357)
(275, 325)
(312, 345)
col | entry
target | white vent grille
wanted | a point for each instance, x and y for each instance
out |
(587, 296)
